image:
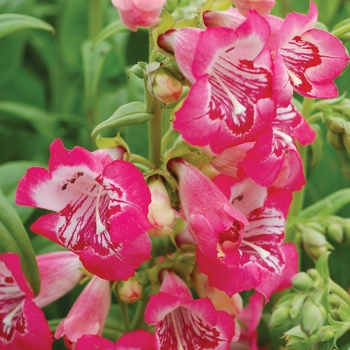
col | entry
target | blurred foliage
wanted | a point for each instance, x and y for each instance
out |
(54, 85)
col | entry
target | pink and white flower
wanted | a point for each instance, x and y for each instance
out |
(184, 323)
(139, 13)
(101, 207)
(231, 97)
(209, 214)
(258, 254)
(88, 314)
(263, 7)
(135, 340)
(22, 322)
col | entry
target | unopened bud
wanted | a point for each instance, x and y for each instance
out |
(327, 335)
(346, 141)
(312, 317)
(346, 228)
(335, 140)
(160, 213)
(129, 291)
(297, 304)
(314, 242)
(335, 231)
(279, 317)
(162, 83)
(314, 274)
(336, 124)
(302, 281)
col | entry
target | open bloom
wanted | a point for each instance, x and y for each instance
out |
(258, 254)
(22, 322)
(184, 323)
(263, 7)
(210, 216)
(88, 314)
(135, 13)
(136, 340)
(306, 59)
(230, 100)
(101, 207)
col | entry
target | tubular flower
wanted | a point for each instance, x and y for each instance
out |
(260, 254)
(101, 205)
(306, 59)
(94, 301)
(230, 100)
(135, 13)
(263, 7)
(22, 322)
(184, 323)
(210, 216)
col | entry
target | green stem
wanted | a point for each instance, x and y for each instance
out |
(340, 292)
(96, 10)
(138, 318)
(125, 314)
(167, 137)
(141, 160)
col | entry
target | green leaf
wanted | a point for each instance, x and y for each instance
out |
(329, 205)
(38, 118)
(132, 113)
(93, 61)
(113, 28)
(14, 238)
(12, 22)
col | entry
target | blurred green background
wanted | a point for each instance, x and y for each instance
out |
(53, 86)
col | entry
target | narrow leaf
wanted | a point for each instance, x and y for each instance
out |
(12, 22)
(14, 238)
(111, 29)
(129, 114)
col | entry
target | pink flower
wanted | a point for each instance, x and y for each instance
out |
(22, 322)
(88, 314)
(135, 13)
(230, 101)
(210, 216)
(101, 206)
(136, 340)
(184, 323)
(306, 59)
(260, 254)
(263, 7)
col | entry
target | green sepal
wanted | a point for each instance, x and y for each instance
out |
(344, 313)
(328, 205)
(221, 5)
(322, 267)
(342, 30)
(14, 238)
(112, 28)
(110, 142)
(12, 22)
(129, 114)
(138, 69)
(162, 246)
(170, 5)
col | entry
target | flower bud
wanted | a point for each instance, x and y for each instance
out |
(314, 274)
(160, 213)
(346, 228)
(129, 291)
(279, 317)
(336, 124)
(312, 317)
(162, 83)
(302, 281)
(346, 142)
(314, 242)
(335, 140)
(297, 304)
(327, 335)
(335, 231)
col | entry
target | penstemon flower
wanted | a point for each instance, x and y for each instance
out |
(101, 206)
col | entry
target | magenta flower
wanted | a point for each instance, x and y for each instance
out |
(260, 254)
(136, 340)
(210, 216)
(230, 101)
(306, 59)
(88, 314)
(184, 323)
(22, 322)
(101, 207)
(135, 13)
(263, 7)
